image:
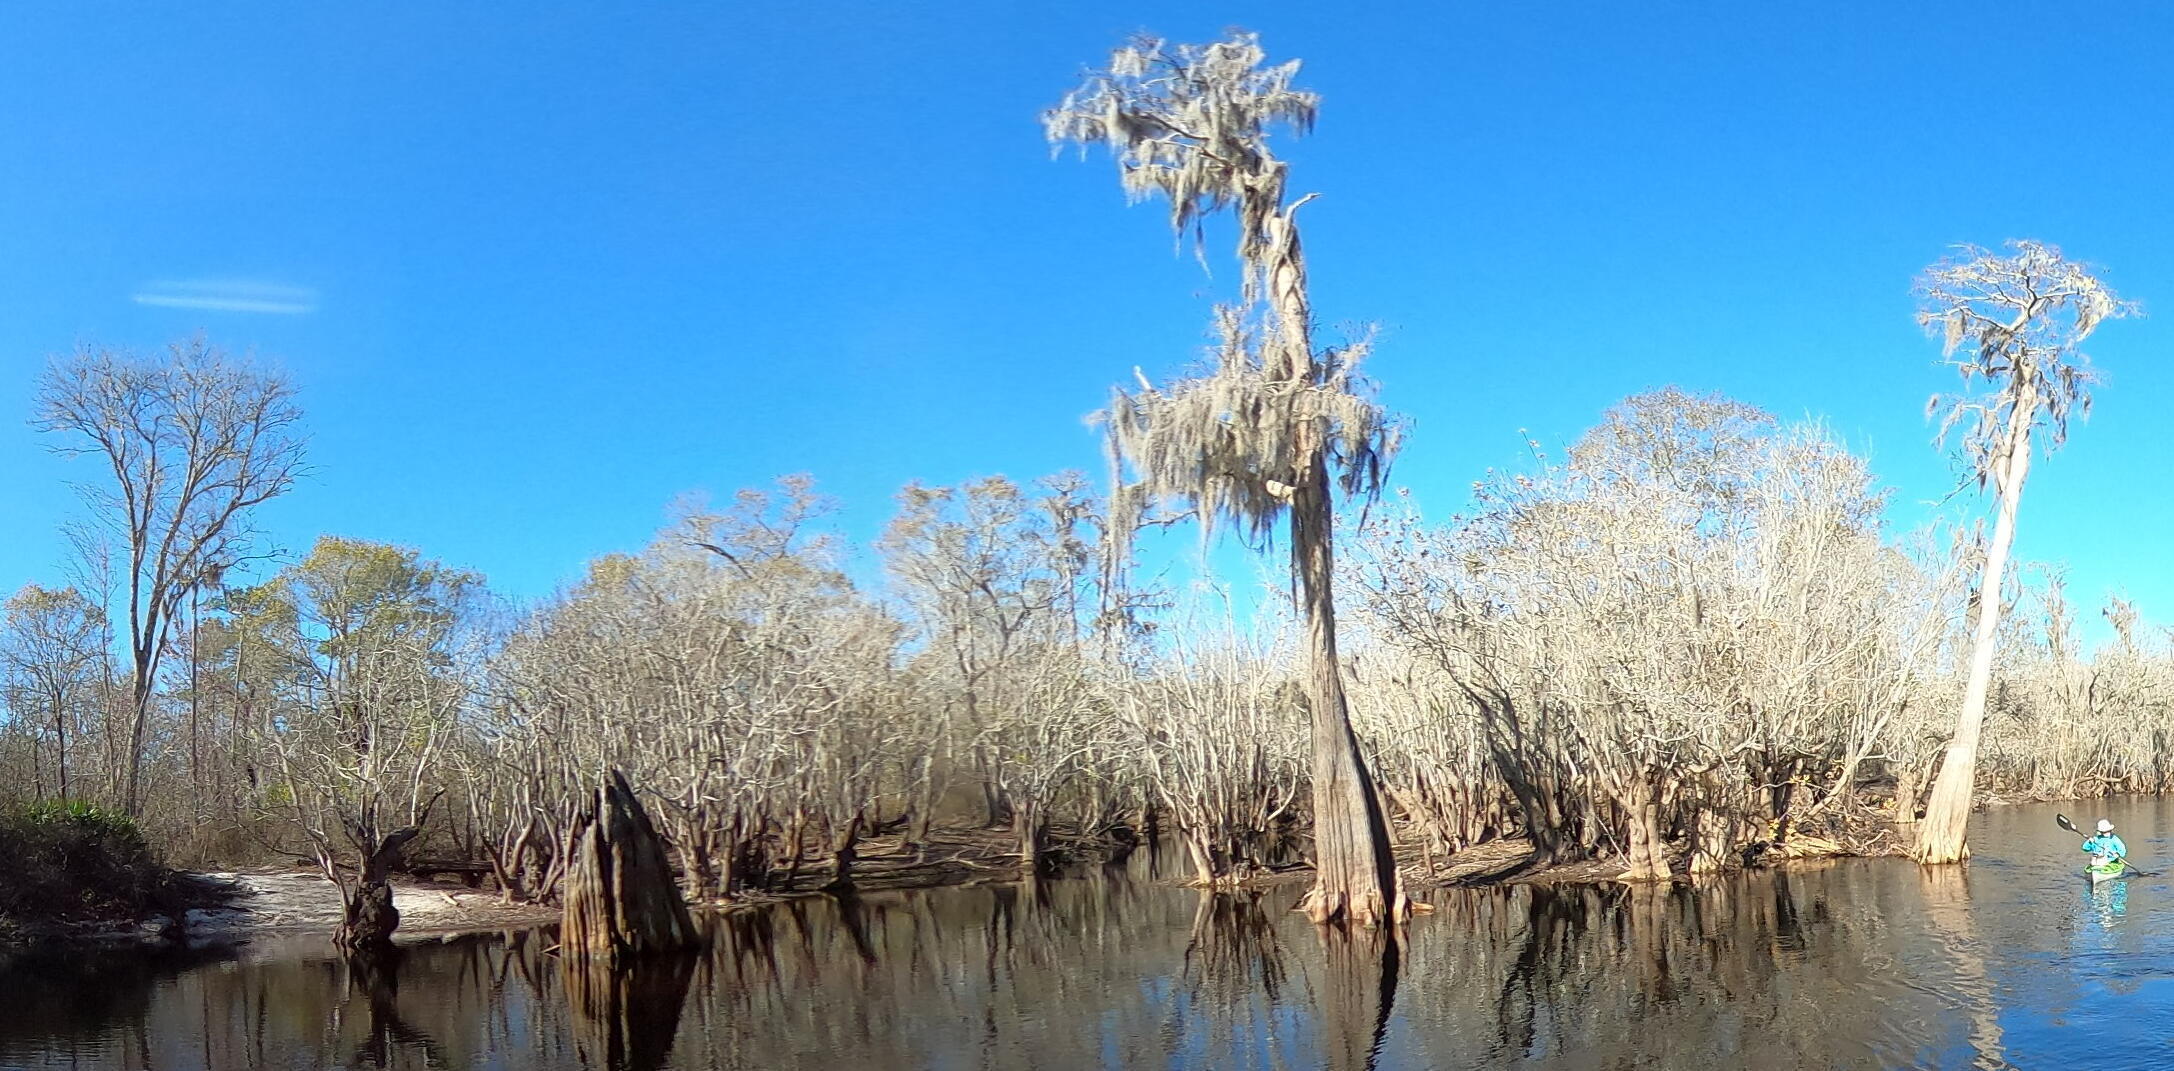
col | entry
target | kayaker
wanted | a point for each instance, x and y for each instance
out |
(2105, 848)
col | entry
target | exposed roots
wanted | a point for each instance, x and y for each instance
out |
(1365, 909)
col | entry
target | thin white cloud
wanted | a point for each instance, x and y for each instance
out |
(228, 295)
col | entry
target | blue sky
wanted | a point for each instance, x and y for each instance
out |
(547, 266)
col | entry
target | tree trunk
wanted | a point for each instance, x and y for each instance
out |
(845, 851)
(369, 918)
(924, 811)
(511, 864)
(1942, 836)
(621, 901)
(1715, 827)
(60, 742)
(196, 661)
(1355, 877)
(1206, 873)
(1711, 837)
(1908, 787)
(1031, 831)
(140, 694)
(1642, 808)
(1498, 713)
(993, 804)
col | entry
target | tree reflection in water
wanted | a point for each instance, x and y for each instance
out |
(1947, 903)
(626, 1019)
(1357, 993)
(375, 974)
(1233, 950)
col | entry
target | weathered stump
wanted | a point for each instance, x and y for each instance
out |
(621, 901)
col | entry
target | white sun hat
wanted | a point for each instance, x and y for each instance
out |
(2105, 826)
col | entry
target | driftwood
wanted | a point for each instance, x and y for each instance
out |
(621, 900)
(471, 874)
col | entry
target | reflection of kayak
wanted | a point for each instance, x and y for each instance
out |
(2099, 872)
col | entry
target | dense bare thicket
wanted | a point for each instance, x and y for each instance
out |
(1692, 625)
(732, 671)
(780, 716)
(1005, 592)
(1221, 721)
(1688, 639)
(2060, 724)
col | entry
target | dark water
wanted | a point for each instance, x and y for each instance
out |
(2010, 962)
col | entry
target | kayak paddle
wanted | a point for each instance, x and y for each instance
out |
(2062, 819)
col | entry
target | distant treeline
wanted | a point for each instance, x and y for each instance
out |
(1692, 630)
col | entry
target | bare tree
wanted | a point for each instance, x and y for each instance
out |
(194, 440)
(1275, 426)
(51, 643)
(2017, 322)
(377, 671)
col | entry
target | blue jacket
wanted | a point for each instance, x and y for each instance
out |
(2106, 846)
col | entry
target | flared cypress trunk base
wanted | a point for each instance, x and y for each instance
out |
(369, 919)
(1942, 833)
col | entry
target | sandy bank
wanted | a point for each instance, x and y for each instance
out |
(232, 906)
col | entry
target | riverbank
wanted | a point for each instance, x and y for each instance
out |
(71, 865)
(303, 901)
(235, 906)
(1514, 861)
(227, 907)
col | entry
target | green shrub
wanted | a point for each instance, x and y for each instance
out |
(72, 862)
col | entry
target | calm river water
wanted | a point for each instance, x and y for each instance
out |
(2010, 962)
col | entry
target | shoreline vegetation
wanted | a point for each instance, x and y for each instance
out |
(1697, 636)
(234, 908)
